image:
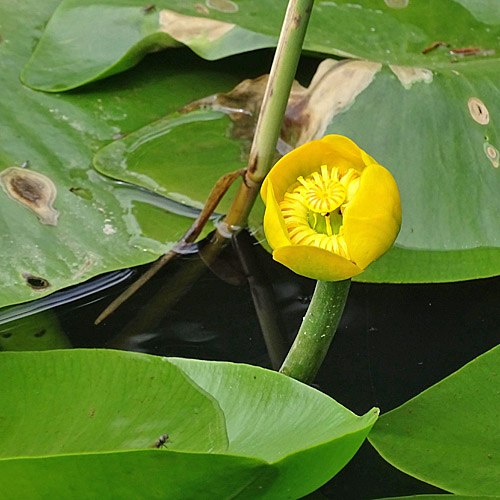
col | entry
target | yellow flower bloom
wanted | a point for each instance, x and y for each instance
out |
(331, 209)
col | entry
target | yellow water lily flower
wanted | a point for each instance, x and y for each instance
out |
(331, 209)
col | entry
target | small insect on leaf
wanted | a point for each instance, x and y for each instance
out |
(160, 442)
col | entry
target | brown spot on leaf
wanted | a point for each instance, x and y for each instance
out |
(492, 154)
(33, 190)
(434, 45)
(188, 28)
(36, 282)
(478, 111)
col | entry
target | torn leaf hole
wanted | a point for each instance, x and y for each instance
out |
(41, 333)
(6, 335)
(36, 282)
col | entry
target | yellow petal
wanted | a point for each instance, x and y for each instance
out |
(316, 263)
(348, 151)
(373, 218)
(274, 224)
(331, 150)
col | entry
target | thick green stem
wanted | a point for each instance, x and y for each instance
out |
(278, 89)
(317, 330)
(271, 114)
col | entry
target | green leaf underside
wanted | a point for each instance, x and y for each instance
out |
(89, 417)
(448, 434)
(102, 225)
(121, 31)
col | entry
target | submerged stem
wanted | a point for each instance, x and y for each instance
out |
(317, 330)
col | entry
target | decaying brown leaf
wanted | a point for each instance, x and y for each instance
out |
(332, 90)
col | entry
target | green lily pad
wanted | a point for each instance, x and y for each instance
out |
(448, 434)
(87, 40)
(93, 418)
(102, 225)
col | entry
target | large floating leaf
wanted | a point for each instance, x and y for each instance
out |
(281, 423)
(87, 39)
(102, 225)
(448, 435)
(91, 419)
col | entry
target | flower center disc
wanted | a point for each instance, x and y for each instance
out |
(323, 194)
(313, 210)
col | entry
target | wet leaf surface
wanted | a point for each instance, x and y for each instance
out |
(102, 225)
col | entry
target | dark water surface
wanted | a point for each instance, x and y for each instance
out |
(393, 342)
